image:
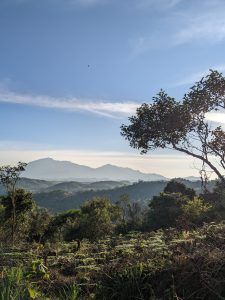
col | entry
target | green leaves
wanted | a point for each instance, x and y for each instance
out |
(38, 271)
(32, 293)
(98, 218)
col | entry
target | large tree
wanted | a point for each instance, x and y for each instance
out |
(184, 125)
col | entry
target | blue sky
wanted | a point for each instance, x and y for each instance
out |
(72, 71)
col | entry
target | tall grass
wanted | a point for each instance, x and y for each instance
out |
(11, 285)
(69, 292)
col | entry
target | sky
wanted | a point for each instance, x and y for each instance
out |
(73, 71)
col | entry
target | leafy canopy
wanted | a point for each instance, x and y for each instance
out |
(183, 125)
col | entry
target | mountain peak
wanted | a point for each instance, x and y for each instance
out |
(107, 166)
(44, 159)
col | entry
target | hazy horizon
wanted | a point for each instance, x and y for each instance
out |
(159, 164)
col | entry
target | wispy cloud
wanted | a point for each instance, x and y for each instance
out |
(158, 4)
(196, 76)
(102, 108)
(209, 27)
(140, 45)
(197, 22)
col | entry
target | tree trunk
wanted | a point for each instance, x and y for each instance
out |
(13, 219)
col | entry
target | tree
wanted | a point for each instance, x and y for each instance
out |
(195, 211)
(124, 204)
(165, 210)
(98, 218)
(174, 186)
(183, 125)
(63, 225)
(39, 223)
(2, 214)
(131, 215)
(24, 205)
(9, 177)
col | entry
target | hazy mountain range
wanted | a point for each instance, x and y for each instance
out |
(50, 169)
(62, 185)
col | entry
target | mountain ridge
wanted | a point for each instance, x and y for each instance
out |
(50, 169)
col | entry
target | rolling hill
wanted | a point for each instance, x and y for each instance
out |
(141, 192)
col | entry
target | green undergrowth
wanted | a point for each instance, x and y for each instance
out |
(166, 264)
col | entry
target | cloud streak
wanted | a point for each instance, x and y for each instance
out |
(101, 108)
(194, 77)
(159, 4)
(196, 22)
(205, 28)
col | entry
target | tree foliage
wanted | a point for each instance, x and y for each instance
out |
(64, 226)
(24, 209)
(39, 224)
(174, 186)
(9, 177)
(165, 210)
(195, 211)
(183, 125)
(99, 217)
(23, 203)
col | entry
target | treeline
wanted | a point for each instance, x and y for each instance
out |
(177, 206)
(142, 192)
(57, 201)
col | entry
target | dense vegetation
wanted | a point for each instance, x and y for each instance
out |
(117, 250)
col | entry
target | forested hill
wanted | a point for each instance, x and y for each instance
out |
(37, 185)
(60, 196)
(142, 192)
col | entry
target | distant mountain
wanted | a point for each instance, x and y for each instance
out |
(50, 169)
